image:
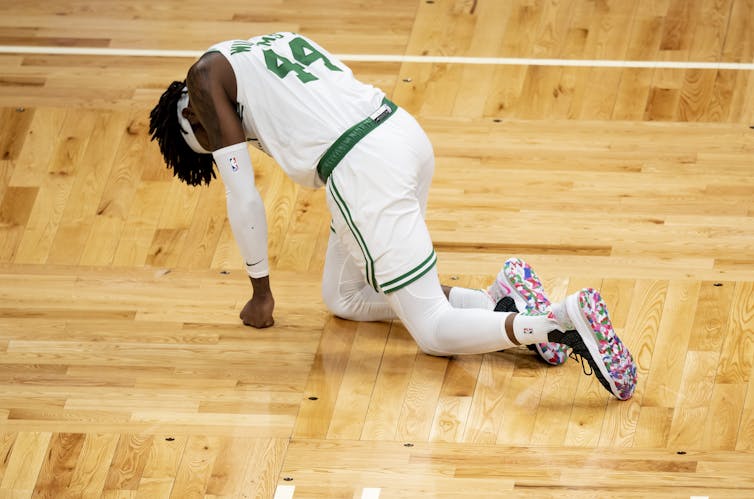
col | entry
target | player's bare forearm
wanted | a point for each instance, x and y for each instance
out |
(261, 285)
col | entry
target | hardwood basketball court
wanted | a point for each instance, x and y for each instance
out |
(125, 372)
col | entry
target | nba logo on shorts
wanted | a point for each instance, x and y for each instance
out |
(233, 164)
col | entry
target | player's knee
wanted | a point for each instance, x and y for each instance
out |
(426, 338)
(338, 304)
(333, 300)
(340, 309)
(431, 351)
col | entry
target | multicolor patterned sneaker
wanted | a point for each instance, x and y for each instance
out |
(595, 341)
(518, 280)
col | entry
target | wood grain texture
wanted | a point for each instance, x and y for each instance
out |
(126, 373)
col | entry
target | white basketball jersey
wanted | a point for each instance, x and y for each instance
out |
(295, 99)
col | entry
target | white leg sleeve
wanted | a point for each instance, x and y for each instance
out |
(440, 329)
(345, 290)
(470, 298)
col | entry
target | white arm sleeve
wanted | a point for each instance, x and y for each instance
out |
(245, 207)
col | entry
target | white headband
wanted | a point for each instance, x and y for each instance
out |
(188, 132)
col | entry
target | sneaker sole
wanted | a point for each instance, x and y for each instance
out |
(610, 359)
(529, 294)
(526, 288)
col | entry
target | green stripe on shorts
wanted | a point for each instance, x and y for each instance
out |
(371, 280)
(411, 275)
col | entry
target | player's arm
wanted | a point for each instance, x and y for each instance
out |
(211, 84)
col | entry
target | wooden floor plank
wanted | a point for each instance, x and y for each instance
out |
(126, 372)
(487, 407)
(315, 416)
(359, 378)
(25, 462)
(56, 472)
(390, 388)
(506, 471)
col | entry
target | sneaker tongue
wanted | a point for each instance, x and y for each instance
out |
(561, 316)
(506, 304)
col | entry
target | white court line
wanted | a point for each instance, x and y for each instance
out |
(284, 492)
(493, 61)
(370, 493)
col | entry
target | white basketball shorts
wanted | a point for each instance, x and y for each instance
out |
(377, 196)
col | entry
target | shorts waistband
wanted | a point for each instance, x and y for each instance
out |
(337, 151)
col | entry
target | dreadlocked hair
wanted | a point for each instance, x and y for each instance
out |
(187, 165)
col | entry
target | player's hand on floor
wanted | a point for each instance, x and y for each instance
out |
(258, 311)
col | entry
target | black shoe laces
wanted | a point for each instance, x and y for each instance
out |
(584, 363)
(579, 352)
